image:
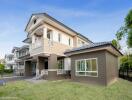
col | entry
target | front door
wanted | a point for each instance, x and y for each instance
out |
(46, 64)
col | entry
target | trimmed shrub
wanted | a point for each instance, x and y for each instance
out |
(8, 71)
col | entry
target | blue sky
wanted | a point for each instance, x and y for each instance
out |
(97, 19)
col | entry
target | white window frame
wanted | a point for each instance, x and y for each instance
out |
(76, 72)
(59, 37)
(69, 41)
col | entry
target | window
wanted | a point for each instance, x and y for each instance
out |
(69, 41)
(61, 64)
(86, 67)
(49, 34)
(35, 20)
(59, 37)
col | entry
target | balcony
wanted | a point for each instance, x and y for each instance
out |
(10, 62)
(37, 47)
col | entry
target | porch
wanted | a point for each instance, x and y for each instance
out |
(50, 67)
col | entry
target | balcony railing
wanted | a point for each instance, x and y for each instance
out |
(36, 47)
(60, 71)
(44, 72)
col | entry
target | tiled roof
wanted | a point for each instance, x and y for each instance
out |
(20, 48)
(47, 15)
(89, 46)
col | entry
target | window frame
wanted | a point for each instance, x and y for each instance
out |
(60, 61)
(59, 37)
(69, 41)
(49, 34)
(76, 71)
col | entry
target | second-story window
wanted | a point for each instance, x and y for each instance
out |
(35, 20)
(59, 37)
(69, 41)
(49, 34)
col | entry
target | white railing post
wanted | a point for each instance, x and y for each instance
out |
(44, 72)
(60, 71)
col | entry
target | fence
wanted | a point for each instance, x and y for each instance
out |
(126, 73)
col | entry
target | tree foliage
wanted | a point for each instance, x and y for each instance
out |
(128, 19)
(126, 30)
(126, 61)
(129, 38)
(116, 44)
(2, 68)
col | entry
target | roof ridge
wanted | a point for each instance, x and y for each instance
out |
(45, 14)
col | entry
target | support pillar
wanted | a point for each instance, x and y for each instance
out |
(52, 66)
(40, 64)
(28, 68)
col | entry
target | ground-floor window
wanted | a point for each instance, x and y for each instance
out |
(86, 67)
(61, 64)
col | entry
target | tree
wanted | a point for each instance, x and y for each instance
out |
(129, 38)
(1, 69)
(128, 20)
(116, 44)
(126, 30)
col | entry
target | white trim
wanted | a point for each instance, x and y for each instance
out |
(85, 67)
(60, 71)
(45, 54)
(52, 69)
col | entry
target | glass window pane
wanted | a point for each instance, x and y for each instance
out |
(88, 66)
(78, 65)
(61, 64)
(82, 65)
(94, 67)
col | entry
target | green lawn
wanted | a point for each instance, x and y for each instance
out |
(64, 90)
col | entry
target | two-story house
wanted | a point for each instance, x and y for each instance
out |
(2, 61)
(57, 51)
(9, 61)
(20, 54)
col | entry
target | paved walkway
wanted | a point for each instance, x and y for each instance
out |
(18, 78)
(35, 81)
(14, 78)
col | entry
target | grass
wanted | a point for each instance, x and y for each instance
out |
(64, 90)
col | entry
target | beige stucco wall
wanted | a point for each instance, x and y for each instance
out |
(54, 47)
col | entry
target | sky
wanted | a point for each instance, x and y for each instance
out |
(99, 20)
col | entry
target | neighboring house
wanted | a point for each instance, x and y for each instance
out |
(57, 51)
(2, 61)
(20, 54)
(9, 61)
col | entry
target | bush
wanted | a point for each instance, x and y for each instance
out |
(1, 68)
(126, 61)
(8, 71)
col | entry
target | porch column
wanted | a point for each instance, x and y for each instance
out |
(52, 66)
(28, 68)
(40, 64)
(45, 32)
